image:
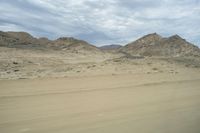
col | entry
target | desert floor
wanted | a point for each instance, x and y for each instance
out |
(121, 103)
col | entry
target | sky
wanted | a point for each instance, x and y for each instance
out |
(102, 22)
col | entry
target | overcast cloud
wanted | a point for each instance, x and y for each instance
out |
(102, 21)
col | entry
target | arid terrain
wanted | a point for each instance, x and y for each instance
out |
(151, 85)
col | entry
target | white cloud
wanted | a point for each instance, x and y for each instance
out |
(102, 21)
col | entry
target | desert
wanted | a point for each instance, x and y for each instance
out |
(151, 85)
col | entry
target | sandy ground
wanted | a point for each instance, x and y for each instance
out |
(122, 103)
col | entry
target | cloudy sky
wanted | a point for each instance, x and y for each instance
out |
(102, 21)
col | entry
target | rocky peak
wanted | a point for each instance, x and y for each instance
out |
(175, 37)
(152, 35)
(155, 45)
(150, 39)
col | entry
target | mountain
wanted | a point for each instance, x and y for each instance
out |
(16, 39)
(110, 47)
(26, 41)
(72, 44)
(156, 45)
(149, 45)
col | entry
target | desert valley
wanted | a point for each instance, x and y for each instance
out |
(66, 85)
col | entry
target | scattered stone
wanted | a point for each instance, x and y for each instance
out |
(14, 62)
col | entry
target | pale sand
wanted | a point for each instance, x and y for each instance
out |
(124, 103)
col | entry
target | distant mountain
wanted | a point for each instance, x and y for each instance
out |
(156, 45)
(149, 45)
(25, 40)
(110, 47)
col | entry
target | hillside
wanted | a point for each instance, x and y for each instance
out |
(24, 40)
(156, 45)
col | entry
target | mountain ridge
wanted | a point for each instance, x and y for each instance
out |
(149, 45)
(156, 45)
(26, 40)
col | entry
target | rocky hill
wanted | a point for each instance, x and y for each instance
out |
(73, 45)
(24, 40)
(156, 45)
